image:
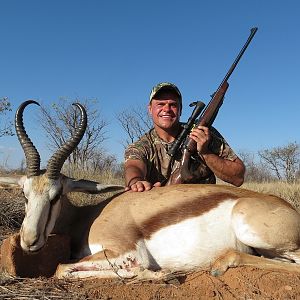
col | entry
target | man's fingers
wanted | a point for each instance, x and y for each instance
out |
(198, 136)
(203, 128)
(147, 185)
(140, 186)
(200, 131)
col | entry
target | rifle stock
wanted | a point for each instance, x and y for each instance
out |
(184, 174)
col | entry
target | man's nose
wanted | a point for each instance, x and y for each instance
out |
(166, 107)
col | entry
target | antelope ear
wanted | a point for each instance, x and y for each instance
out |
(87, 186)
(12, 181)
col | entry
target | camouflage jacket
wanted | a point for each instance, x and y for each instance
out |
(152, 150)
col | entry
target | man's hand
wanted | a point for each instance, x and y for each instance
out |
(201, 135)
(135, 174)
(141, 186)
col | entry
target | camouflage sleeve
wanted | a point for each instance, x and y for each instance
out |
(136, 151)
(220, 147)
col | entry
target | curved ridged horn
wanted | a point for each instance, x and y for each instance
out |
(57, 160)
(32, 156)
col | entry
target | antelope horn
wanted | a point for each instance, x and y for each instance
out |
(57, 160)
(32, 156)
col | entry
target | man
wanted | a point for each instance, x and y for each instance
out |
(147, 163)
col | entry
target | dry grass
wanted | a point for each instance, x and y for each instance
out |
(39, 288)
(105, 177)
(11, 211)
(288, 191)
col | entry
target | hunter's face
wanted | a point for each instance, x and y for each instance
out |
(165, 110)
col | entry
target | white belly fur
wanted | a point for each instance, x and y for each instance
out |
(192, 243)
(195, 242)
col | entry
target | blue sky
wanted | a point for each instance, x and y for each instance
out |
(116, 51)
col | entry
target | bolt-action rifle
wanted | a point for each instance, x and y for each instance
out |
(183, 174)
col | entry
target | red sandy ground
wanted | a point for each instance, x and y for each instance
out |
(238, 283)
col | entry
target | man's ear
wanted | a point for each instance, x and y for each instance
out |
(150, 109)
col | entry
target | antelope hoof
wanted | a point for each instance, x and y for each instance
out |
(219, 267)
(230, 259)
(217, 272)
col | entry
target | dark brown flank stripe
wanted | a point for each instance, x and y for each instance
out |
(182, 212)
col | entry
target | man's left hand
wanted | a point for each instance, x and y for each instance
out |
(201, 135)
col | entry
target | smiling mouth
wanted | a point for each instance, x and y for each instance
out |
(166, 117)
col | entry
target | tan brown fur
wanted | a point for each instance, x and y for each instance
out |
(106, 254)
(268, 218)
(127, 224)
(41, 183)
(233, 258)
(145, 213)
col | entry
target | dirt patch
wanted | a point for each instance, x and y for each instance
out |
(237, 283)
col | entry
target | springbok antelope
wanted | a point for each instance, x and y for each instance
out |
(177, 228)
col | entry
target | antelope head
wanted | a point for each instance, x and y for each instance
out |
(43, 189)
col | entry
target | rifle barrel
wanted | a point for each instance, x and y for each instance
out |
(252, 33)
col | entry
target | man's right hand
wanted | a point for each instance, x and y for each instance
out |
(135, 174)
(141, 186)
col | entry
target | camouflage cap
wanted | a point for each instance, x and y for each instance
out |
(165, 86)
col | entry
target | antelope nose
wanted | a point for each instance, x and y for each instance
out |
(30, 238)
